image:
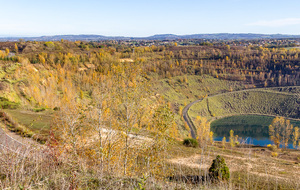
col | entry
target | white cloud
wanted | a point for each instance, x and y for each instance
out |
(276, 23)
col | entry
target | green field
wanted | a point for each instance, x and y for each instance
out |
(39, 122)
(185, 89)
(261, 102)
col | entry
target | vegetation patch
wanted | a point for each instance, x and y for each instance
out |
(6, 104)
(256, 126)
(23, 131)
(248, 102)
(30, 123)
(181, 90)
(190, 142)
(218, 170)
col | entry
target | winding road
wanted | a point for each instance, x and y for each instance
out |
(185, 110)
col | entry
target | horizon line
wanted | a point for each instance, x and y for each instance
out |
(157, 34)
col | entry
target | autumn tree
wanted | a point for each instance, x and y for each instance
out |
(224, 142)
(203, 131)
(131, 92)
(155, 154)
(296, 135)
(7, 51)
(16, 48)
(280, 131)
(101, 116)
(231, 138)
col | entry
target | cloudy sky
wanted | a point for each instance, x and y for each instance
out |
(148, 17)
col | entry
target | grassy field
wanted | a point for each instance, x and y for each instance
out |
(37, 122)
(265, 102)
(185, 89)
(250, 167)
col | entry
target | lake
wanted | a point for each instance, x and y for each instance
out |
(254, 129)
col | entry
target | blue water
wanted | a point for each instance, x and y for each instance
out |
(256, 142)
(251, 129)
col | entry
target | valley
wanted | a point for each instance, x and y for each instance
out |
(112, 114)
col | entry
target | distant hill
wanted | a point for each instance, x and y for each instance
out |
(65, 37)
(220, 36)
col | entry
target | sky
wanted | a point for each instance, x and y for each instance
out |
(141, 18)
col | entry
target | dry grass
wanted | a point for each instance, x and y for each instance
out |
(251, 168)
(43, 167)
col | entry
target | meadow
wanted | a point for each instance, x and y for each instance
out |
(260, 101)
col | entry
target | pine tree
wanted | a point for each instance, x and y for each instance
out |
(218, 170)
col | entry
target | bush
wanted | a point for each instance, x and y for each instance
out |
(6, 104)
(56, 109)
(39, 109)
(190, 142)
(272, 147)
(218, 170)
(50, 44)
(274, 154)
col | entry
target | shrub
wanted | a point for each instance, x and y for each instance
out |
(272, 147)
(39, 109)
(56, 109)
(6, 104)
(274, 154)
(50, 44)
(218, 170)
(190, 142)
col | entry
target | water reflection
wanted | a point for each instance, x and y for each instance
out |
(252, 128)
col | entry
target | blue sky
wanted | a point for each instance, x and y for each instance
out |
(148, 17)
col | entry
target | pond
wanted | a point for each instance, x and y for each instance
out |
(253, 129)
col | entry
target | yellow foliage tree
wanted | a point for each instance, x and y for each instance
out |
(296, 135)
(280, 131)
(16, 48)
(203, 131)
(224, 142)
(231, 138)
(7, 51)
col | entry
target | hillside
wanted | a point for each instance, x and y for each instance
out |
(261, 101)
(217, 36)
(180, 91)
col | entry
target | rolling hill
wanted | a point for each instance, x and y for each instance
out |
(90, 37)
